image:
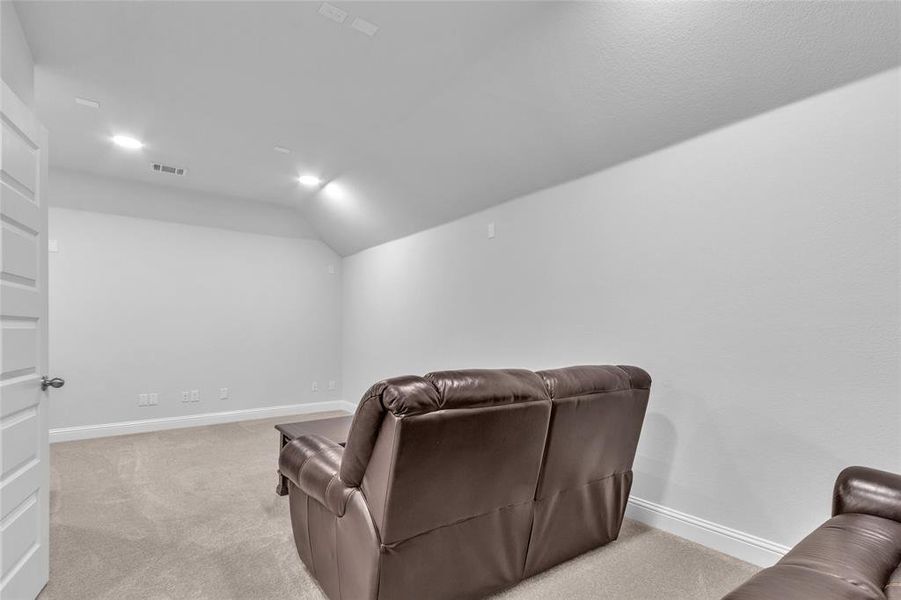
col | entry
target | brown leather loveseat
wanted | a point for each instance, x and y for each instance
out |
(855, 555)
(461, 483)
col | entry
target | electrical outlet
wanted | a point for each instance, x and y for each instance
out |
(195, 395)
(332, 385)
(315, 386)
(223, 393)
(142, 399)
(490, 231)
(153, 399)
(185, 397)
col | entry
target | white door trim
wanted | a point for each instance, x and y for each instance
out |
(24, 451)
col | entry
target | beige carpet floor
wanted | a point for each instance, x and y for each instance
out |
(193, 514)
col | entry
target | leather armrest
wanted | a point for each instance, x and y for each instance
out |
(312, 463)
(868, 491)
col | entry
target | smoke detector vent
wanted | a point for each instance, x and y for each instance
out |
(332, 13)
(364, 26)
(160, 168)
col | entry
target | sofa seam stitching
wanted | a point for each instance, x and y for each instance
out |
(310, 535)
(390, 478)
(337, 555)
(306, 461)
(458, 522)
(539, 480)
(586, 484)
(860, 585)
(597, 392)
(361, 409)
(328, 487)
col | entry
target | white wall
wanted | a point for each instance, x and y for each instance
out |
(84, 191)
(16, 63)
(753, 271)
(140, 305)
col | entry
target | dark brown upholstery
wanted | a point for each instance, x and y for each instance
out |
(855, 555)
(596, 417)
(461, 483)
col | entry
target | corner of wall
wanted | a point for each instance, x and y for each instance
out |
(16, 61)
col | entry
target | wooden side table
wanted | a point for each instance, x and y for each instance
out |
(334, 428)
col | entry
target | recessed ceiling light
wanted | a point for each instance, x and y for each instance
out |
(282, 149)
(87, 102)
(309, 180)
(127, 142)
(334, 191)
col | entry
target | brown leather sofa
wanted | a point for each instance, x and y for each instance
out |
(461, 483)
(855, 555)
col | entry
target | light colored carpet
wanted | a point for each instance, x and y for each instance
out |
(193, 514)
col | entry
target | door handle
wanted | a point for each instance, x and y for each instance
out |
(56, 382)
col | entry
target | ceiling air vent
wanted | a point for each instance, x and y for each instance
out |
(159, 168)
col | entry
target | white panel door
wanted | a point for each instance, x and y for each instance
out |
(24, 450)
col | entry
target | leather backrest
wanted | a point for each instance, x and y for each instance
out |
(434, 450)
(596, 420)
(401, 394)
(450, 446)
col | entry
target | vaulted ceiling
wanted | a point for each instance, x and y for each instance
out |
(451, 107)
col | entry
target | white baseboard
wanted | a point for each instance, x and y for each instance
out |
(739, 544)
(84, 432)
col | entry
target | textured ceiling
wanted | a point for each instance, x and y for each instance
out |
(450, 108)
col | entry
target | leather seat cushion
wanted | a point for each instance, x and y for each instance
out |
(893, 589)
(862, 549)
(794, 583)
(850, 557)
